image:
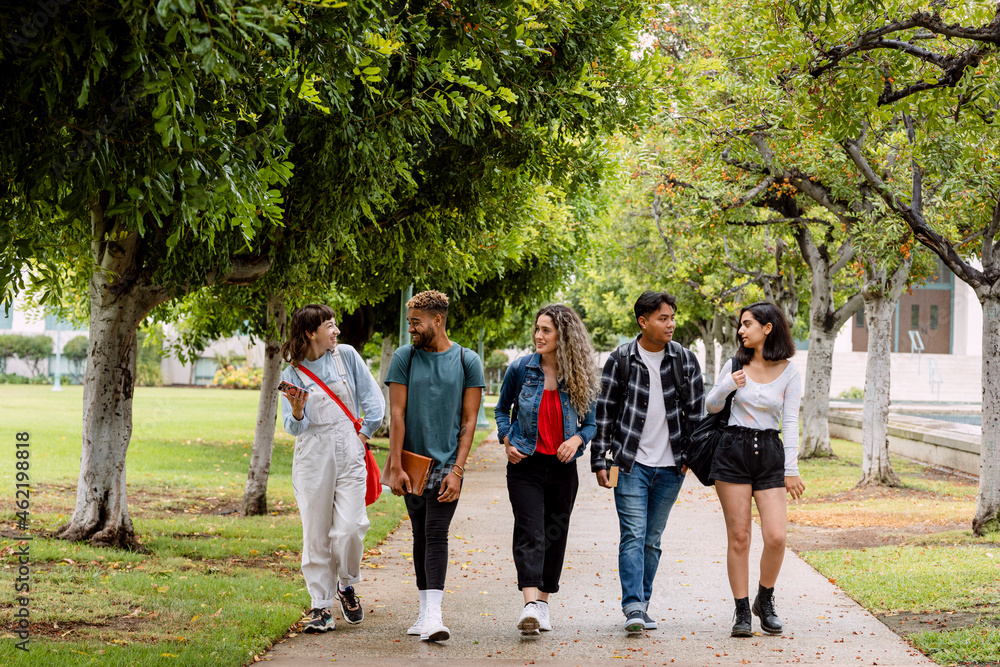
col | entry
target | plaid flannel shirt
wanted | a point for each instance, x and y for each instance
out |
(623, 441)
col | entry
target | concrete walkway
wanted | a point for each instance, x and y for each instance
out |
(691, 599)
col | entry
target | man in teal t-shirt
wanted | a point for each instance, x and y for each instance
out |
(435, 388)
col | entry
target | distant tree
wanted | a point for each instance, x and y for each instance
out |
(75, 350)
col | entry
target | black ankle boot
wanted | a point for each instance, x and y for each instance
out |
(763, 607)
(742, 627)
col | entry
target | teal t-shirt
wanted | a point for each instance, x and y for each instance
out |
(435, 383)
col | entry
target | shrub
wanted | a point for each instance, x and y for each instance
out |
(148, 357)
(12, 378)
(238, 378)
(854, 393)
(75, 351)
(32, 349)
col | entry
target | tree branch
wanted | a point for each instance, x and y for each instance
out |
(915, 220)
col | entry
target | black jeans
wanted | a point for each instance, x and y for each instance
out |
(430, 519)
(542, 491)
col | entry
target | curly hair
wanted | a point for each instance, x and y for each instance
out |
(305, 320)
(431, 301)
(575, 364)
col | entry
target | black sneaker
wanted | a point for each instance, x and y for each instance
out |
(648, 620)
(349, 603)
(635, 622)
(318, 620)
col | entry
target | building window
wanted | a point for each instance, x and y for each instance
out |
(934, 317)
(915, 316)
(204, 370)
(859, 319)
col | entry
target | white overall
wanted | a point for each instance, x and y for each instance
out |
(328, 477)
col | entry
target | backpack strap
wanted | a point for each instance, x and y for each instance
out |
(622, 362)
(681, 385)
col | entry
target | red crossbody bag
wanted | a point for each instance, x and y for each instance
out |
(373, 486)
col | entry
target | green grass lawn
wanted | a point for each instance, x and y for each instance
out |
(941, 572)
(216, 589)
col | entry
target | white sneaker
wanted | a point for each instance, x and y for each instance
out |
(418, 625)
(528, 623)
(435, 631)
(543, 616)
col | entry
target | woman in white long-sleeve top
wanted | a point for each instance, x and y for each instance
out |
(752, 461)
(328, 468)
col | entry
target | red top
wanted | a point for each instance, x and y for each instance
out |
(550, 423)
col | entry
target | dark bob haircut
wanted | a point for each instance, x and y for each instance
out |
(650, 302)
(305, 321)
(779, 344)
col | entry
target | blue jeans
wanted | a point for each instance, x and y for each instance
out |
(643, 499)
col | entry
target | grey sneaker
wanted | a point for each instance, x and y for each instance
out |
(648, 620)
(319, 620)
(635, 622)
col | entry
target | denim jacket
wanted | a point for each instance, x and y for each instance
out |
(523, 431)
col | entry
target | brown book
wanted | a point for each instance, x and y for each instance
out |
(418, 469)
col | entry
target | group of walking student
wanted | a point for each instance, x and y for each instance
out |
(636, 415)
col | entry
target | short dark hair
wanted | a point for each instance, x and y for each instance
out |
(432, 301)
(650, 302)
(305, 320)
(779, 344)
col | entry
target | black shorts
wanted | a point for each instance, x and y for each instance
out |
(748, 456)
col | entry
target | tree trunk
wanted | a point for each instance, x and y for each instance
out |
(101, 513)
(707, 331)
(255, 493)
(388, 348)
(987, 518)
(876, 469)
(726, 326)
(815, 411)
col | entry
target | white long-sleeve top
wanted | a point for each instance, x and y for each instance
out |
(763, 406)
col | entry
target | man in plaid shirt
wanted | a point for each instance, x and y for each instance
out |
(643, 423)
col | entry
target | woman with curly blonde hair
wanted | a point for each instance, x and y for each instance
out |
(552, 394)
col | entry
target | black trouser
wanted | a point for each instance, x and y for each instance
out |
(542, 491)
(430, 519)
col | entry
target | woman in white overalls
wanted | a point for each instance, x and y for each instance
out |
(328, 470)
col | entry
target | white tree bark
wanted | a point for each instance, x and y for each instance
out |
(726, 327)
(122, 294)
(255, 492)
(825, 322)
(881, 294)
(707, 331)
(388, 348)
(987, 517)
(101, 514)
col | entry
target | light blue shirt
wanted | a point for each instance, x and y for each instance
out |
(363, 386)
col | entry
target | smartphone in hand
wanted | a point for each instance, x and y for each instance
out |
(286, 387)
